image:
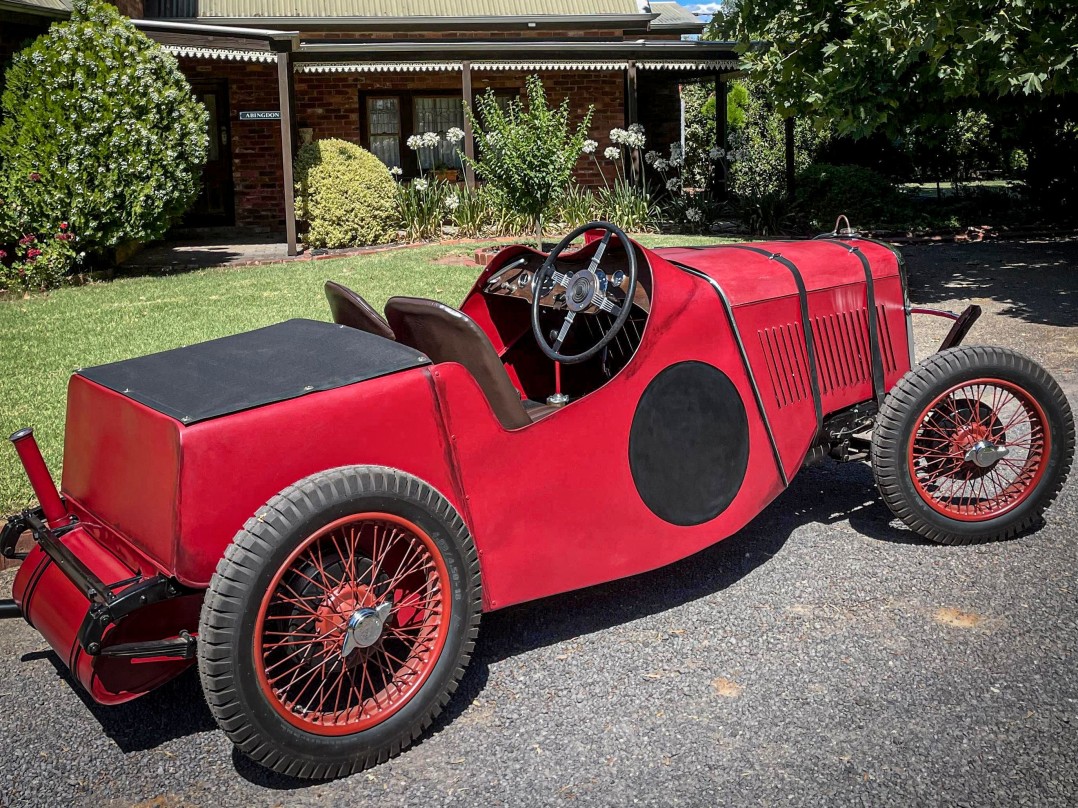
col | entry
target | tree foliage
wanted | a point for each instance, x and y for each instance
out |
(99, 129)
(527, 151)
(870, 65)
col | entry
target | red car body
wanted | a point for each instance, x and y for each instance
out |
(798, 329)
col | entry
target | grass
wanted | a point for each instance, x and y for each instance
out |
(46, 337)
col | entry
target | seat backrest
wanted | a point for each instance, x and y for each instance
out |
(447, 335)
(351, 310)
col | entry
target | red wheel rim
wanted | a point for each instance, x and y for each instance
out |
(358, 562)
(978, 413)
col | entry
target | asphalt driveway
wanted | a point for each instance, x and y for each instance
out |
(824, 655)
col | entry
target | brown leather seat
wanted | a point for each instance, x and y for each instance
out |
(447, 335)
(351, 310)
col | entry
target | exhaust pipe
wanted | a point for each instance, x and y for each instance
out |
(40, 479)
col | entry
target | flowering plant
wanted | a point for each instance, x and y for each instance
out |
(99, 123)
(528, 150)
(36, 263)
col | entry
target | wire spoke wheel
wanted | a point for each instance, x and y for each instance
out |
(979, 450)
(340, 621)
(972, 445)
(330, 590)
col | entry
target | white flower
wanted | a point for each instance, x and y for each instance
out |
(452, 202)
(661, 165)
(715, 154)
(651, 158)
(420, 184)
(589, 147)
(618, 136)
(612, 153)
(673, 184)
(415, 142)
(636, 128)
(694, 215)
(454, 134)
(396, 171)
(431, 139)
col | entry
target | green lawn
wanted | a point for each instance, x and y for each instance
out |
(46, 337)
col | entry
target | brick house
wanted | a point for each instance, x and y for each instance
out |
(274, 73)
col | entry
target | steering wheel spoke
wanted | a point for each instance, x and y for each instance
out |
(604, 303)
(564, 332)
(561, 279)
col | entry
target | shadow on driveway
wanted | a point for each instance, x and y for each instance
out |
(1035, 281)
(827, 494)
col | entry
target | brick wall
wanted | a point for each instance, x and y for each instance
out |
(328, 103)
(132, 8)
(256, 145)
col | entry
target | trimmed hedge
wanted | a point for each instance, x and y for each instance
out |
(345, 194)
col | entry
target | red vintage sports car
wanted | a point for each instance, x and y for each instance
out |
(318, 514)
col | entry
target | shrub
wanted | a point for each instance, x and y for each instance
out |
(865, 196)
(345, 194)
(475, 213)
(100, 130)
(527, 152)
(37, 264)
(757, 152)
(423, 206)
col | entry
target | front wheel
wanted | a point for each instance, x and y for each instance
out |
(339, 622)
(973, 445)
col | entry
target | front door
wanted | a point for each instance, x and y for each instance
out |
(215, 203)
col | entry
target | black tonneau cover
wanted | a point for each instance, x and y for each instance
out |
(276, 363)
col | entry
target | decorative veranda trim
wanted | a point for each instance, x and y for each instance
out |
(714, 64)
(221, 54)
(549, 65)
(378, 67)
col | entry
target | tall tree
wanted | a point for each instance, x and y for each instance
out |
(875, 65)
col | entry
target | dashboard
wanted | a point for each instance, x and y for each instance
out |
(517, 279)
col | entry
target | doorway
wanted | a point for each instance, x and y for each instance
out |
(215, 206)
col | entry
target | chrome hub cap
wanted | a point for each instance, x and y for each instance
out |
(984, 453)
(364, 628)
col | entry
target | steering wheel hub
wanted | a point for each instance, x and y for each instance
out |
(581, 290)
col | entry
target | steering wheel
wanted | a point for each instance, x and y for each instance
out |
(585, 290)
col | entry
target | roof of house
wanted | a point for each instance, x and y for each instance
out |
(675, 18)
(418, 11)
(47, 8)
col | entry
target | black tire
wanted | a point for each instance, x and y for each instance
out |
(264, 558)
(913, 409)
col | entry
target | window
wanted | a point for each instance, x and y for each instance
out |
(387, 121)
(438, 114)
(384, 129)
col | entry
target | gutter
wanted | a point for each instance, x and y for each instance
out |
(278, 40)
(433, 51)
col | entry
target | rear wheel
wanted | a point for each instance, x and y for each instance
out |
(973, 445)
(339, 622)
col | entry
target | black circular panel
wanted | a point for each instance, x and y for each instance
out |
(689, 443)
